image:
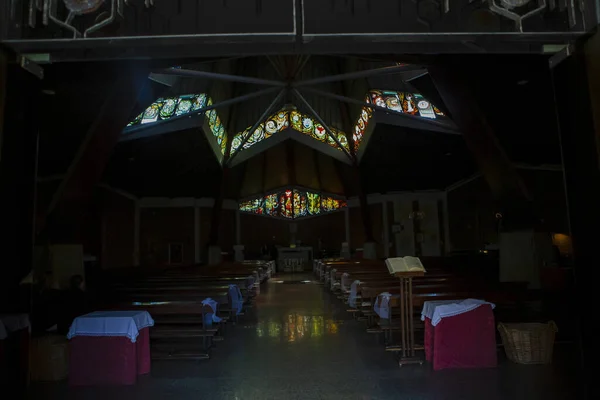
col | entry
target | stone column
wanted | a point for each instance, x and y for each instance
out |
(136, 234)
(197, 253)
(386, 229)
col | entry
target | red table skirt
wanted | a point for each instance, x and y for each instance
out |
(428, 342)
(466, 340)
(108, 360)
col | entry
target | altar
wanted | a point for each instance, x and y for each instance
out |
(294, 259)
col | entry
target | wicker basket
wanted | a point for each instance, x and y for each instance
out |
(530, 343)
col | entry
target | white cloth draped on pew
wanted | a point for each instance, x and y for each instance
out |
(250, 281)
(353, 295)
(237, 300)
(111, 323)
(460, 307)
(332, 281)
(344, 281)
(211, 317)
(382, 305)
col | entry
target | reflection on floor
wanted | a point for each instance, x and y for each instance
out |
(298, 342)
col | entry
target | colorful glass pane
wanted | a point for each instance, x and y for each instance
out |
(314, 203)
(330, 204)
(199, 102)
(296, 120)
(271, 205)
(137, 119)
(254, 206)
(285, 204)
(168, 108)
(151, 113)
(185, 105)
(300, 203)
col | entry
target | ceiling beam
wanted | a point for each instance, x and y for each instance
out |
(188, 73)
(318, 117)
(448, 126)
(264, 115)
(358, 74)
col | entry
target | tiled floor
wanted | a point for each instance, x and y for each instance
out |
(298, 342)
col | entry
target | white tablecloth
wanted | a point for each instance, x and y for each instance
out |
(111, 323)
(429, 307)
(11, 323)
(450, 308)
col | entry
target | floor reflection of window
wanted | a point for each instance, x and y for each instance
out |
(296, 327)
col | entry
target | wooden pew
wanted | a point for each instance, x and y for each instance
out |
(174, 299)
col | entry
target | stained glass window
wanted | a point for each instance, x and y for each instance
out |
(272, 205)
(286, 204)
(291, 204)
(165, 108)
(329, 204)
(275, 123)
(314, 203)
(216, 127)
(403, 102)
(361, 125)
(289, 119)
(255, 206)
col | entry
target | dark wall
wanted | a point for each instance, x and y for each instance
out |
(471, 215)
(471, 208)
(117, 231)
(330, 228)
(227, 230)
(161, 226)
(357, 230)
(257, 231)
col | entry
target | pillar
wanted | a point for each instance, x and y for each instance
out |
(238, 248)
(238, 227)
(386, 229)
(136, 234)
(20, 115)
(447, 243)
(455, 81)
(214, 250)
(347, 224)
(576, 109)
(197, 234)
(404, 238)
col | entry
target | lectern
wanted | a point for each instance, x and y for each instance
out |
(407, 328)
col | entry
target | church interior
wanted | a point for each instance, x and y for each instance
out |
(256, 223)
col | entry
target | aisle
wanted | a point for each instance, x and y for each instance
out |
(298, 342)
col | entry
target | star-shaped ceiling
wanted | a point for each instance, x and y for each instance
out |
(331, 104)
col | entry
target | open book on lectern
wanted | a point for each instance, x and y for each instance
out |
(404, 264)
